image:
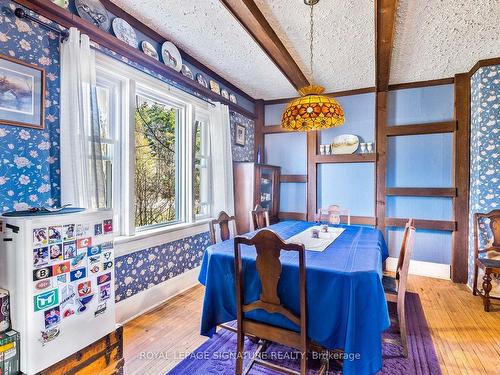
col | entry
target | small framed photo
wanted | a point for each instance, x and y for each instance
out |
(241, 135)
(22, 93)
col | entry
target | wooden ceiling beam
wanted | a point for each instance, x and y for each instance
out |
(252, 19)
(385, 16)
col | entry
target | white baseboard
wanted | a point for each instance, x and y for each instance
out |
(148, 299)
(436, 270)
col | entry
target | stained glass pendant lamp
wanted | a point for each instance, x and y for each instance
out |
(312, 111)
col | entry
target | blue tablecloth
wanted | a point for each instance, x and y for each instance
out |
(346, 304)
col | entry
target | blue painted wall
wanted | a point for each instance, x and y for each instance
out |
(359, 119)
(351, 186)
(420, 105)
(289, 151)
(484, 155)
(421, 161)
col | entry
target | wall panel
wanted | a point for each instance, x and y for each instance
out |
(293, 197)
(429, 208)
(359, 119)
(287, 150)
(351, 186)
(430, 246)
(420, 161)
(420, 105)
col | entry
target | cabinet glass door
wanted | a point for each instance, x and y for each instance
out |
(266, 188)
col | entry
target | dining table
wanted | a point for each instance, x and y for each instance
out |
(346, 304)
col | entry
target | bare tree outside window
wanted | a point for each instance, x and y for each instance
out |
(155, 163)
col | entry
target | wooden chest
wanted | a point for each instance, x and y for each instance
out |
(103, 357)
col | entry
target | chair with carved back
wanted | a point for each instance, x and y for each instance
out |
(268, 246)
(223, 228)
(489, 252)
(395, 287)
(333, 214)
(259, 218)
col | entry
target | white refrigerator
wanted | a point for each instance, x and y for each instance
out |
(59, 270)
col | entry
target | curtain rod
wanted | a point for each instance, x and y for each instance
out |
(21, 13)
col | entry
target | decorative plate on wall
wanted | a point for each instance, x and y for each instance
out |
(171, 56)
(345, 144)
(62, 3)
(149, 50)
(224, 93)
(201, 80)
(125, 32)
(186, 71)
(214, 86)
(232, 98)
(94, 12)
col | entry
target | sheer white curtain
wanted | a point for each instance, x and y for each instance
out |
(82, 174)
(222, 160)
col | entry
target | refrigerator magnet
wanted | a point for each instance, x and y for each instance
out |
(40, 237)
(55, 234)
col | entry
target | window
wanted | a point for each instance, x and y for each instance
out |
(156, 169)
(201, 171)
(107, 135)
(156, 147)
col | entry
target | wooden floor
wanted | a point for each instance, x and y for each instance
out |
(467, 340)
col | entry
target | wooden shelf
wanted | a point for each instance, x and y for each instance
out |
(67, 19)
(351, 158)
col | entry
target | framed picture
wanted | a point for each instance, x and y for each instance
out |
(22, 93)
(241, 134)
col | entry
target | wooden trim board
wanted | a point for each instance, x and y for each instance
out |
(421, 192)
(441, 225)
(292, 216)
(293, 178)
(416, 129)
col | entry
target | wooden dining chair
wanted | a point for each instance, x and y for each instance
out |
(268, 246)
(332, 214)
(223, 228)
(259, 218)
(395, 287)
(487, 261)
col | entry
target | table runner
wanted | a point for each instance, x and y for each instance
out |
(346, 304)
(316, 244)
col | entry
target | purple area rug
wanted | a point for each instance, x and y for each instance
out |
(216, 355)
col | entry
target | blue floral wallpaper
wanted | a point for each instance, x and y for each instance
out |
(243, 153)
(145, 268)
(29, 158)
(484, 155)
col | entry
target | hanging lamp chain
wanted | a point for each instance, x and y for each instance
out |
(311, 5)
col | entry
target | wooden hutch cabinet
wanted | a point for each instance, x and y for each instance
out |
(255, 184)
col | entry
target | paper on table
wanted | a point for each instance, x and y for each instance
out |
(316, 244)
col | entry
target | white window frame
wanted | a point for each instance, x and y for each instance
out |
(130, 82)
(204, 117)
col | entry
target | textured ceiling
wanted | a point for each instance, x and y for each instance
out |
(433, 39)
(344, 33)
(207, 31)
(437, 39)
